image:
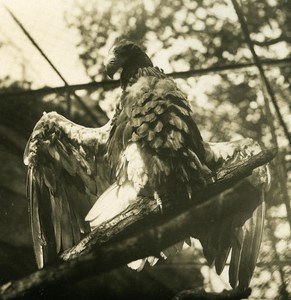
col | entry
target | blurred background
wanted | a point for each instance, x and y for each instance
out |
(201, 44)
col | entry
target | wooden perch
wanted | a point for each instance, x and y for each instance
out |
(225, 177)
(143, 243)
(202, 295)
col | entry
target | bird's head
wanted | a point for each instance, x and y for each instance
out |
(127, 56)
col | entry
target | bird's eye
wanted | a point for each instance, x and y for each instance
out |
(117, 51)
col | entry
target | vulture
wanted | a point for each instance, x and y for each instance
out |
(80, 178)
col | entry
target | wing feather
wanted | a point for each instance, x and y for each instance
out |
(56, 219)
(35, 220)
(251, 246)
(236, 243)
(242, 233)
(62, 180)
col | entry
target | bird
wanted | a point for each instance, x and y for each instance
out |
(79, 178)
(154, 143)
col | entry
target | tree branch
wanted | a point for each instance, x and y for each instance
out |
(269, 42)
(151, 241)
(202, 295)
(226, 177)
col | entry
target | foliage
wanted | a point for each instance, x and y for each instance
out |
(198, 34)
(179, 35)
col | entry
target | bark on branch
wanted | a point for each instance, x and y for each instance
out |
(144, 242)
(202, 295)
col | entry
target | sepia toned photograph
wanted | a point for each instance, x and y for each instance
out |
(145, 149)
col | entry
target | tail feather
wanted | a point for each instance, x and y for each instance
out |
(244, 243)
(139, 264)
(223, 245)
(152, 260)
(172, 250)
(251, 246)
(245, 248)
(221, 259)
(207, 242)
(236, 244)
(215, 242)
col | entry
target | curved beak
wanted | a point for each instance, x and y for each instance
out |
(112, 65)
(111, 69)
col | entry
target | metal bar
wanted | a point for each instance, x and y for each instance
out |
(27, 34)
(215, 69)
(273, 240)
(109, 84)
(35, 44)
(260, 68)
(269, 90)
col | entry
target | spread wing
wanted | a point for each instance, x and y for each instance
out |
(66, 173)
(240, 234)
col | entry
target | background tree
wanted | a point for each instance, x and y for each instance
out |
(179, 36)
(201, 34)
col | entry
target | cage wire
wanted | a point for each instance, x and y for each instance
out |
(48, 28)
(22, 61)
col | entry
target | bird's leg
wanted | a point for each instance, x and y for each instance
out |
(159, 201)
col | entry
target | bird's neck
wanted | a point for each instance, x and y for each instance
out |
(130, 69)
